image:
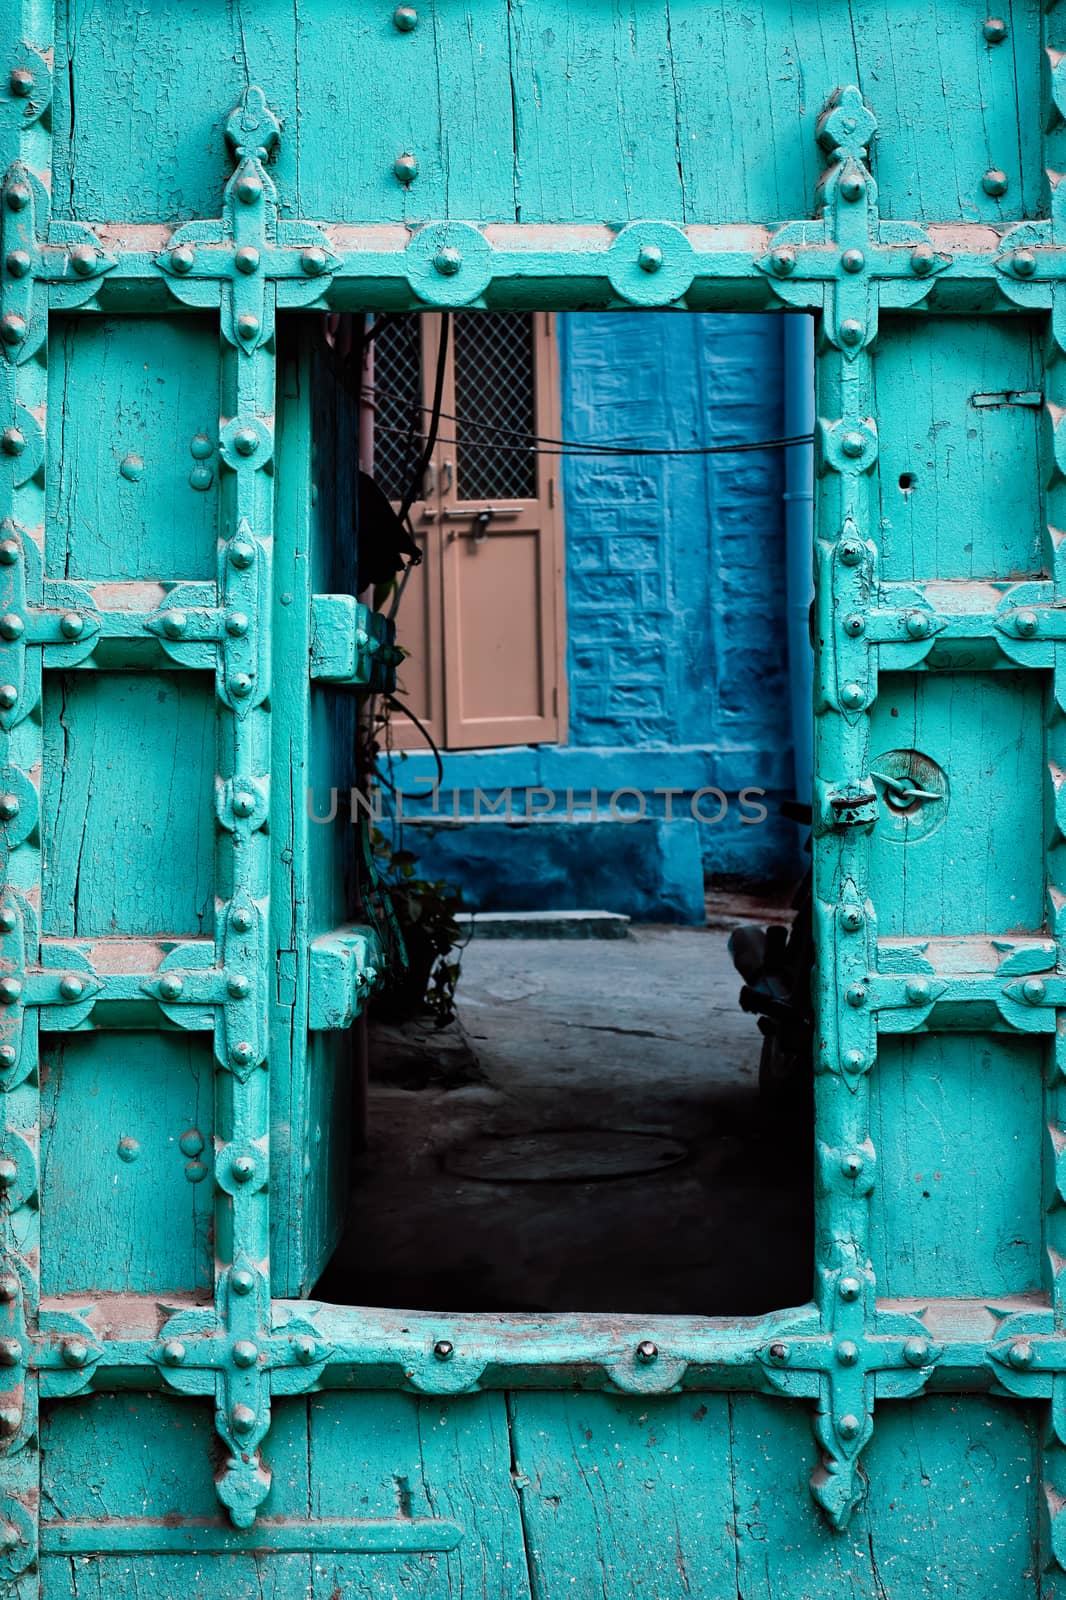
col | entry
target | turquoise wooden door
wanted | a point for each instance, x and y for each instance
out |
(185, 188)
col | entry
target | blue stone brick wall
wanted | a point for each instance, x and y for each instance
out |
(677, 656)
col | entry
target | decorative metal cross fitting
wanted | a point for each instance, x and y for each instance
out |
(237, 1356)
(849, 262)
(250, 261)
(66, 258)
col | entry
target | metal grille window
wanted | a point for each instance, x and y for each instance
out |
(495, 406)
(398, 425)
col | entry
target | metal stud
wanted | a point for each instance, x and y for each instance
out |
(405, 168)
(849, 1426)
(20, 82)
(8, 1172)
(447, 262)
(8, 919)
(1023, 263)
(9, 807)
(10, 991)
(11, 625)
(246, 259)
(1027, 623)
(916, 1352)
(852, 696)
(245, 1353)
(83, 259)
(247, 325)
(649, 258)
(132, 468)
(8, 1056)
(849, 1289)
(246, 441)
(18, 263)
(128, 1149)
(238, 986)
(444, 1349)
(853, 444)
(175, 623)
(855, 995)
(855, 624)
(847, 1353)
(71, 988)
(922, 259)
(853, 186)
(243, 803)
(853, 260)
(182, 259)
(173, 1353)
(1034, 990)
(241, 919)
(237, 625)
(994, 30)
(195, 1172)
(241, 1281)
(1020, 1353)
(12, 328)
(242, 1052)
(405, 18)
(850, 331)
(9, 1288)
(75, 1352)
(10, 1352)
(918, 992)
(171, 987)
(780, 1353)
(994, 182)
(18, 197)
(249, 188)
(851, 1165)
(851, 919)
(71, 625)
(917, 624)
(647, 1352)
(10, 1420)
(313, 261)
(306, 1350)
(851, 552)
(191, 1142)
(12, 442)
(783, 261)
(240, 685)
(241, 554)
(243, 1169)
(242, 1419)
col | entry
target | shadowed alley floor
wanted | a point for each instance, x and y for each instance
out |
(641, 1035)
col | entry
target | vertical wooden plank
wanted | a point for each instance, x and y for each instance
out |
(958, 1128)
(388, 1455)
(626, 1498)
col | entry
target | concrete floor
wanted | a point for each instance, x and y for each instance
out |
(642, 1034)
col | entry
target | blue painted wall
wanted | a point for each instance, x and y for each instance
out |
(677, 655)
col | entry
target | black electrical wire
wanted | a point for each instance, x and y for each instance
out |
(574, 449)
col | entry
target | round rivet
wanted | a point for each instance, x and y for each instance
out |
(994, 182)
(1020, 1353)
(848, 1426)
(191, 1142)
(12, 625)
(71, 988)
(313, 261)
(200, 447)
(245, 1353)
(851, 919)
(182, 259)
(1027, 622)
(447, 262)
(9, 1288)
(444, 1349)
(850, 331)
(173, 1353)
(1034, 990)
(71, 625)
(847, 1353)
(83, 260)
(247, 326)
(248, 188)
(128, 1149)
(851, 552)
(18, 263)
(855, 995)
(8, 1172)
(306, 1350)
(240, 685)
(241, 554)
(75, 1352)
(405, 18)
(241, 1281)
(649, 258)
(132, 468)
(852, 696)
(783, 261)
(241, 919)
(242, 1052)
(8, 920)
(201, 478)
(917, 992)
(195, 1172)
(175, 623)
(853, 260)
(246, 441)
(647, 1352)
(18, 197)
(994, 30)
(243, 803)
(10, 991)
(854, 625)
(917, 624)
(851, 1165)
(916, 1352)
(242, 1419)
(1023, 263)
(237, 625)
(237, 986)
(12, 442)
(9, 807)
(8, 1056)
(243, 1169)
(922, 259)
(20, 82)
(779, 1352)
(406, 168)
(12, 328)
(10, 1419)
(849, 1289)
(246, 258)
(10, 1352)
(171, 987)
(853, 186)
(853, 444)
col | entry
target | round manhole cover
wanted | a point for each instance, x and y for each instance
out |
(563, 1156)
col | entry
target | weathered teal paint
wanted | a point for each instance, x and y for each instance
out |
(569, 155)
